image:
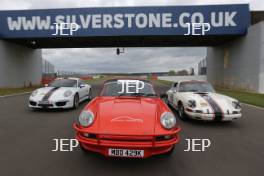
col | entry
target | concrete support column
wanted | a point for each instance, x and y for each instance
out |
(239, 64)
(19, 66)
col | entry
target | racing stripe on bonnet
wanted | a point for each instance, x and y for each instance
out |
(216, 108)
(49, 93)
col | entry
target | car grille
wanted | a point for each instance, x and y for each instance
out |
(32, 103)
(61, 103)
(126, 138)
(46, 105)
(129, 138)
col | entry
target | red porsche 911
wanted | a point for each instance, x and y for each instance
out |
(128, 119)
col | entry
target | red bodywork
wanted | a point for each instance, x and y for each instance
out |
(127, 123)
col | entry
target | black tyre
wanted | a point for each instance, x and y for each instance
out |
(169, 153)
(82, 148)
(166, 100)
(85, 151)
(90, 94)
(33, 109)
(76, 101)
(181, 112)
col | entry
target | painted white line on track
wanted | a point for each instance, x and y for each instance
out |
(257, 107)
(12, 95)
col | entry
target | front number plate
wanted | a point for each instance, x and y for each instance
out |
(44, 102)
(126, 153)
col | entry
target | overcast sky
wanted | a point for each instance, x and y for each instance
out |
(134, 59)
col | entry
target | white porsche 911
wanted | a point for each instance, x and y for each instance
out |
(198, 100)
(61, 93)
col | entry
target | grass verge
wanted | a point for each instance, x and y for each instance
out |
(255, 99)
(11, 91)
(90, 81)
(168, 83)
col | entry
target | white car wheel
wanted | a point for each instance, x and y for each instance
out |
(181, 112)
(76, 101)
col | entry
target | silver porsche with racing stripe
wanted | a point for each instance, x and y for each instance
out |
(61, 93)
(198, 100)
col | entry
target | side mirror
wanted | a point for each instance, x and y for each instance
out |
(174, 91)
(82, 85)
(163, 96)
(46, 85)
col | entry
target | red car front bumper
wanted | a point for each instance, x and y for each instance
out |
(101, 143)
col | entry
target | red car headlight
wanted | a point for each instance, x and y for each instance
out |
(86, 118)
(168, 120)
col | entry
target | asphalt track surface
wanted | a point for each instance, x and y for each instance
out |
(26, 141)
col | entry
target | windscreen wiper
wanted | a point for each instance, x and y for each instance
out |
(138, 94)
(144, 95)
(123, 94)
(151, 95)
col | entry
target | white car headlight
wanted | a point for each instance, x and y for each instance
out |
(86, 118)
(34, 93)
(168, 120)
(192, 103)
(67, 93)
(236, 105)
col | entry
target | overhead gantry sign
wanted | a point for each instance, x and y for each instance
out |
(125, 26)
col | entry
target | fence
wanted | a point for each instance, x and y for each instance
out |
(48, 72)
